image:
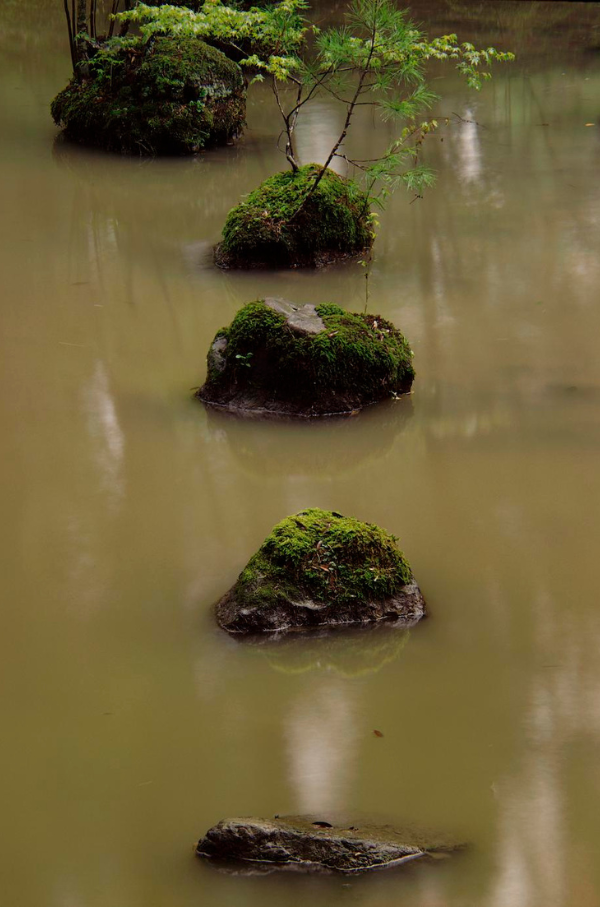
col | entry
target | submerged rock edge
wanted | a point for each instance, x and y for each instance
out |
(309, 843)
(407, 607)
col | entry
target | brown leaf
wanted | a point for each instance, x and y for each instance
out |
(378, 733)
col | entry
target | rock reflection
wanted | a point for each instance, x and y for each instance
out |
(310, 448)
(133, 199)
(348, 653)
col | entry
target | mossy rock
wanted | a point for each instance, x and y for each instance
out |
(321, 569)
(284, 225)
(280, 359)
(166, 96)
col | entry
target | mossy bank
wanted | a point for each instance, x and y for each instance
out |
(280, 359)
(321, 569)
(164, 96)
(285, 223)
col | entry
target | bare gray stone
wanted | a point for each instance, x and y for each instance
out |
(303, 318)
(313, 843)
(216, 355)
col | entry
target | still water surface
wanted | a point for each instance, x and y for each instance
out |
(130, 724)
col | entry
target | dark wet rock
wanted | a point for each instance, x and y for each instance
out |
(320, 569)
(280, 359)
(169, 95)
(314, 843)
(284, 223)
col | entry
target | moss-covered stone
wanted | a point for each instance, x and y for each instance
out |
(319, 568)
(279, 359)
(284, 225)
(166, 96)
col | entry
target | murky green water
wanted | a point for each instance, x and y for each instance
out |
(130, 724)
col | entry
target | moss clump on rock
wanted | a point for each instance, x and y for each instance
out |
(164, 96)
(319, 568)
(280, 359)
(284, 225)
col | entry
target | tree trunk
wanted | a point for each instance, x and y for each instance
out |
(81, 38)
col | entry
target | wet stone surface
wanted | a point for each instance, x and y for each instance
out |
(313, 843)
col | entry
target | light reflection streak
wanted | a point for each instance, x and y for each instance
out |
(470, 163)
(321, 737)
(106, 433)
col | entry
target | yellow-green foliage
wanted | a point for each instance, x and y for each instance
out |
(281, 223)
(166, 96)
(326, 557)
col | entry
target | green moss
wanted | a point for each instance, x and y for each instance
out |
(357, 359)
(280, 224)
(166, 96)
(325, 557)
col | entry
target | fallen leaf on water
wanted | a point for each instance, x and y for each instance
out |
(378, 733)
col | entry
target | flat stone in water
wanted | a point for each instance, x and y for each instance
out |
(313, 843)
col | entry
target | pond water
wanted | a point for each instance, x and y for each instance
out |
(130, 723)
